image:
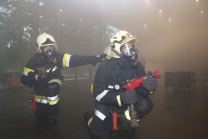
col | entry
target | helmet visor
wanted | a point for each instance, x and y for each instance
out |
(48, 42)
(128, 49)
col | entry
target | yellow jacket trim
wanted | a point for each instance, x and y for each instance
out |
(27, 70)
(127, 114)
(52, 98)
(91, 88)
(53, 102)
(65, 60)
(118, 100)
(56, 81)
(40, 99)
(152, 92)
(108, 57)
(54, 68)
(90, 121)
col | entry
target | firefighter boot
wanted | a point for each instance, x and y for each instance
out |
(88, 116)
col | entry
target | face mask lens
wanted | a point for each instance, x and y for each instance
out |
(48, 52)
(131, 51)
(128, 50)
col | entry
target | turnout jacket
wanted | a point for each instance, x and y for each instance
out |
(111, 72)
(61, 60)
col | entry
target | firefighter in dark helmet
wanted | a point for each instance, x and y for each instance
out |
(42, 72)
(111, 75)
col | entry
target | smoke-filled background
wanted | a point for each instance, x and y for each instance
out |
(172, 34)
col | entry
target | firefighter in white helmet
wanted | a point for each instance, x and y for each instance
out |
(122, 65)
(42, 72)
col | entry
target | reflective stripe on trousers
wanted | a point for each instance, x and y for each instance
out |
(47, 100)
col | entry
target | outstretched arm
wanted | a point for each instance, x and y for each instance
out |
(78, 60)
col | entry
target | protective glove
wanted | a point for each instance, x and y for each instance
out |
(32, 77)
(41, 77)
(101, 57)
(150, 82)
(127, 97)
(145, 92)
(37, 77)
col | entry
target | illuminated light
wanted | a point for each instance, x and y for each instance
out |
(196, 0)
(95, 26)
(80, 19)
(145, 25)
(63, 24)
(10, 5)
(169, 19)
(41, 16)
(201, 11)
(160, 11)
(61, 10)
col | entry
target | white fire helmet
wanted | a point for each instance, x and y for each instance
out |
(45, 39)
(120, 38)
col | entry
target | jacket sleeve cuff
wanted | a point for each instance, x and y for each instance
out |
(118, 100)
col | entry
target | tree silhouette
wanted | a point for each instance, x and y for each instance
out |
(15, 21)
